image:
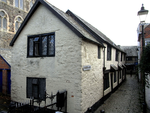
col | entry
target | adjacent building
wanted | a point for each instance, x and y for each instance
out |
(140, 47)
(131, 59)
(55, 50)
(12, 13)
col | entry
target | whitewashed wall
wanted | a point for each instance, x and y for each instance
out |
(92, 80)
(61, 72)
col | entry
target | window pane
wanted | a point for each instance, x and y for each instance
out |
(21, 4)
(29, 87)
(31, 47)
(5, 23)
(31, 4)
(35, 91)
(51, 45)
(19, 19)
(0, 22)
(4, 1)
(36, 49)
(2, 13)
(17, 3)
(16, 26)
(44, 45)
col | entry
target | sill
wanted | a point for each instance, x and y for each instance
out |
(40, 56)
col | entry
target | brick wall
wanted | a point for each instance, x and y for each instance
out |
(3, 64)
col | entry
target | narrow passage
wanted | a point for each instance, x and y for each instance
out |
(125, 99)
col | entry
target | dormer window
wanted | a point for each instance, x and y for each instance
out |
(41, 45)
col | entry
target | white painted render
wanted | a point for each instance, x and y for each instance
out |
(64, 71)
(92, 81)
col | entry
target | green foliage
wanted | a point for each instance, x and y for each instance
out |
(145, 63)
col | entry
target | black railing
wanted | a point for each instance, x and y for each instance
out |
(58, 103)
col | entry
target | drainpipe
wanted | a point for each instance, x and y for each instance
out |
(104, 58)
(104, 68)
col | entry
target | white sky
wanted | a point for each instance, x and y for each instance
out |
(117, 19)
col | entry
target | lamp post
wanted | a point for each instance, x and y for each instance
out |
(142, 15)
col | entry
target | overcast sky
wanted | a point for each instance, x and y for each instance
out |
(117, 19)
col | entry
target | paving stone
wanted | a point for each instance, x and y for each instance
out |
(125, 99)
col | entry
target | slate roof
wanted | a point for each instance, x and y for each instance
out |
(130, 50)
(79, 26)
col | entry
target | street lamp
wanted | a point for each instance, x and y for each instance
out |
(142, 15)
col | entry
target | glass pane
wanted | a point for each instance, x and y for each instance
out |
(36, 49)
(31, 4)
(4, 1)
(31, 47)
(44, 45)
(16, 26)
(21, 4)
(17, 3)
(19, 19)
(0, 22)
(5, 23)
(51, 45)
(35, 91)
(2, 13)
(36, 39)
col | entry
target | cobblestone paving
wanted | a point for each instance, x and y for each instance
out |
(123, 100)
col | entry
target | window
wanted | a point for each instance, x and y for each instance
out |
(3, 20)
(129, 58)
(4, 1)
(19, 4)
(114, 76)
(106, 81)
(120, 74)
(18, 22)
(99, 52)
(121, 56)
(108, 52)
(41, 45)
(36, 88)
(31, 4)
(116, 55)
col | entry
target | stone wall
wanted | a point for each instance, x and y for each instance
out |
(92, 80)
(62, 72)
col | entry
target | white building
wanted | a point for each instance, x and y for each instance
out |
(63, 52)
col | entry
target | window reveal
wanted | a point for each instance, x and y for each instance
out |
(36, 88)
(106, 81)
(108, 52)
(41, 45)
